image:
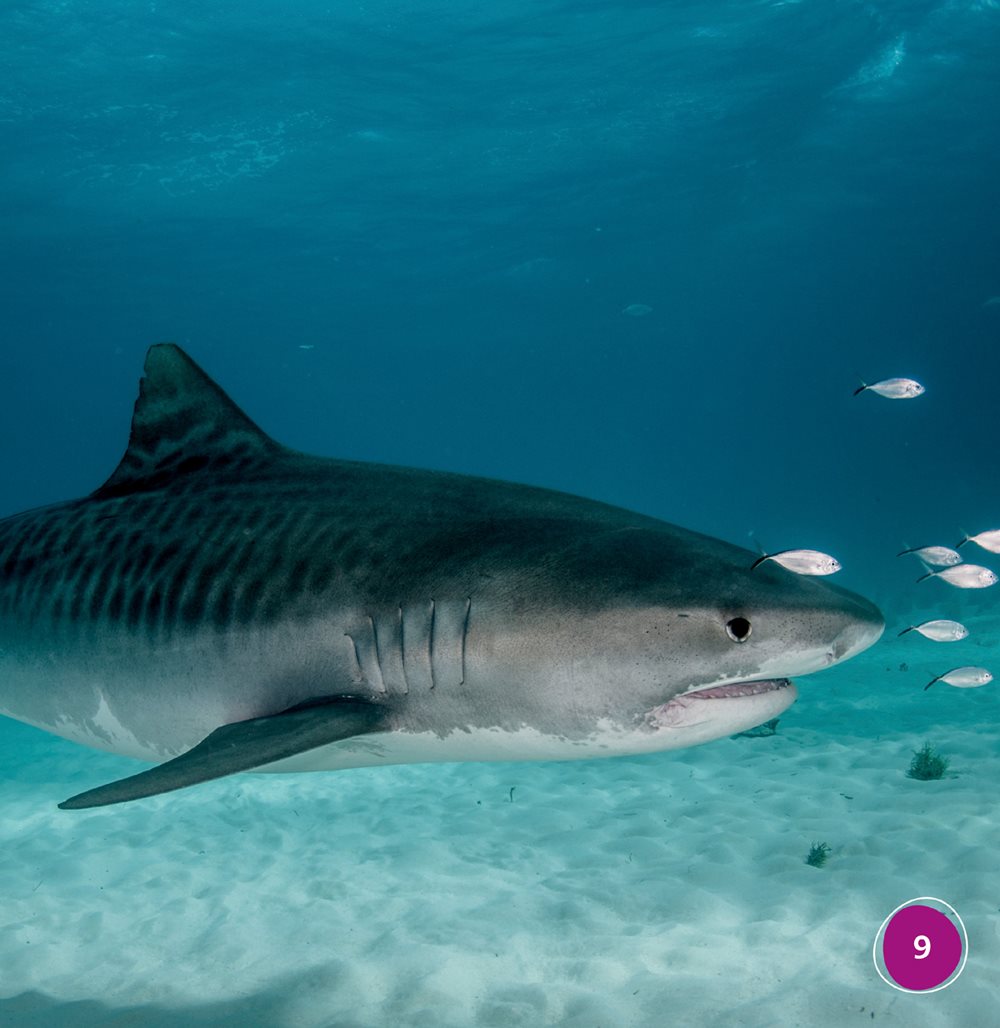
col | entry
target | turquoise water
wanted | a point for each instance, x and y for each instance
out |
(640, 252)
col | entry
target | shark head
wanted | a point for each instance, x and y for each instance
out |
(669, 639)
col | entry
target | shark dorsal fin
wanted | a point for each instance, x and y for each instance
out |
(183, 423)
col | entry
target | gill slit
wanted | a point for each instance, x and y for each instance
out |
(378, 655)
(402, 651)
(430, 645)
(465, 633)
(357, 656)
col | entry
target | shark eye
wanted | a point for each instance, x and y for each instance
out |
(738, 629)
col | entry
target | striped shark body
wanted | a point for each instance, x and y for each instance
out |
(224, 603)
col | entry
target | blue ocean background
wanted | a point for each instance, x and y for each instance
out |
(412, 232)
(452, 204)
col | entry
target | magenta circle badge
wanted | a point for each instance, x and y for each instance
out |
(921, 946)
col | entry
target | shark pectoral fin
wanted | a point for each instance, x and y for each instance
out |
(243, 746)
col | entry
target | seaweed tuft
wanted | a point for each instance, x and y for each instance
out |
(927, 764)
(818, 854)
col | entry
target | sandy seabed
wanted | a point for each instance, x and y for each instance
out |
(662, 890)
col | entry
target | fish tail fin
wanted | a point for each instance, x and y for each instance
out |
(965, 539)
(760, 560)
(905, 630)
(931, 682)
(907, 548)
(930, 574)
(861, 388)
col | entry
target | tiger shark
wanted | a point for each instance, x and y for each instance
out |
(224, 603)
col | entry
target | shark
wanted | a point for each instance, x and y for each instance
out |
(224, 603)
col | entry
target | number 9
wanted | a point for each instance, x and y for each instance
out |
(923, 947)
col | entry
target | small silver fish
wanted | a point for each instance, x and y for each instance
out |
(963, 678)
(893, 388)
(941, 631)
(939, 556)
(964, 576)
(802, 562)
(637, 310)
(988, 540)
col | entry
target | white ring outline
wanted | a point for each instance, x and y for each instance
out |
(952, 977)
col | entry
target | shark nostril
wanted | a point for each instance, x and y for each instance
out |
(849, 642)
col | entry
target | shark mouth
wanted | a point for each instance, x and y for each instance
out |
(734, 689)
(736, 707)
